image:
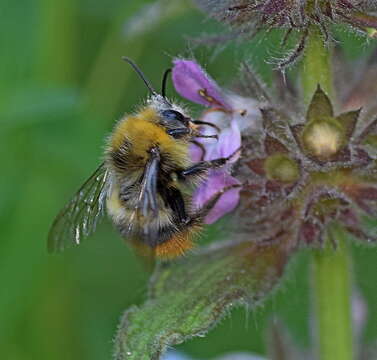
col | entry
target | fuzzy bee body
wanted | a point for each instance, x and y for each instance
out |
(143, 184)
(140, 184)
(162, 224)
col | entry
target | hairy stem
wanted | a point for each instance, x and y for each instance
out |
(316, 67)
(331, 283)
(331, 296)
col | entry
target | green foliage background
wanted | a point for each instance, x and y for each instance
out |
(62, 86)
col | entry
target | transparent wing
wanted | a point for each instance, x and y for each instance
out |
(146, 210)
(147, 200)
(78, 219)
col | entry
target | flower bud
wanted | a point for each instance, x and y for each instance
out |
(281, 168)
(323, 138)
(285, 178)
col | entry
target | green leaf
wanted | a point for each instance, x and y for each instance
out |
(348, 120)
(187, 298)
(320, 106)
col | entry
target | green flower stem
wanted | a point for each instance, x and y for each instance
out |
(331, 285)
(316, 67)
(332, 301)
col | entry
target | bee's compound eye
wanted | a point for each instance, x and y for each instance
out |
(174, 116)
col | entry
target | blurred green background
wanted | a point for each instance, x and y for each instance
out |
(62, 87)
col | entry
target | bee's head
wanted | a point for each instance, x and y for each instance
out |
(180, 126)
(174, 119)
(171, 116)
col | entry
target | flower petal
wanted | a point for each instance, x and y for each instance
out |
(246, 111)
(190, 80)
(219, 118)
(196, 153)
(229, 142)
(217, 181)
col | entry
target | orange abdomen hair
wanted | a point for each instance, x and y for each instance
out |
(177, 245)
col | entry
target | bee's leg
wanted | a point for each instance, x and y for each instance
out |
(198, 135)
(179, 132)
(199, 122)
(201, 167)
(201, 147)
(209, 205)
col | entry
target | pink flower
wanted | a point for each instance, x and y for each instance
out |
(192, 82)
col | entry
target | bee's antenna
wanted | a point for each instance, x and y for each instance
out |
(141, 74)
(164, 81)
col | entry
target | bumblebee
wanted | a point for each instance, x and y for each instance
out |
(143, 183)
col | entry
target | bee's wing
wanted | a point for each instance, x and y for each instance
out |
(78, 219)
(147, 200)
